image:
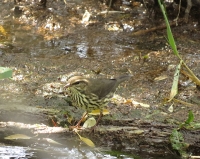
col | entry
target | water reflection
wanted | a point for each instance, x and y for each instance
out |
(50, 152)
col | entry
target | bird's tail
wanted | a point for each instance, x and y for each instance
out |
(123, 78)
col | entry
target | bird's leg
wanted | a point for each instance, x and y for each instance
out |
(78, 124)
(100, 116)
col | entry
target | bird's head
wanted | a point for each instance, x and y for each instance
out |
(77, 82)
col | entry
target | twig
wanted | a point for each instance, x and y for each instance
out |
(142, 32)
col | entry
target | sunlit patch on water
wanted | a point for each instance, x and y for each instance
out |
(82, 50)
(15, 152)
(7, 152)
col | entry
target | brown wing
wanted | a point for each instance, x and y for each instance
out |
(102, 87)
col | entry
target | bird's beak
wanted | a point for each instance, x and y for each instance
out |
(67, 85)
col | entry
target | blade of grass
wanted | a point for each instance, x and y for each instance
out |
(172, 43)
(170, 37)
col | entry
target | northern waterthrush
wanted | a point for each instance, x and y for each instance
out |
(91, 94)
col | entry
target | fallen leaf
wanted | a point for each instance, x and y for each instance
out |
(97, 112)
(128, 101)
(86, 140)
(17, 136)
(51, 141)
(171, 108)
(174, 89)
(141, 104)
(160, 78)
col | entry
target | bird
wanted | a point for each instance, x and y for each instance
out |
(91, 94)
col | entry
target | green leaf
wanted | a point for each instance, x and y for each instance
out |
(177, 142)
(170, 37)
(89, 123)
(190, 118)
(5, 72)
(189, 124)
(195, 125)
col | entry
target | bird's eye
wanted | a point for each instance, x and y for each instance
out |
(76, 83)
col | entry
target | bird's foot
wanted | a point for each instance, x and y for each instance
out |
(78, 127)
